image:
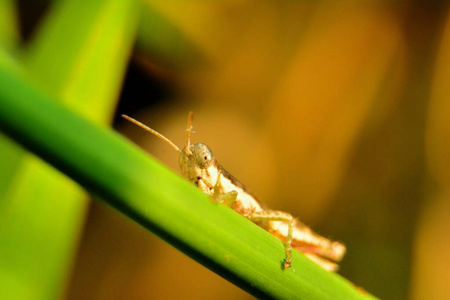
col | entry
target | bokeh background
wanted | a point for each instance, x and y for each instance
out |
(335, 111)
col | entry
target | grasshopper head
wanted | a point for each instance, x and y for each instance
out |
(193, 161)
(203, 155)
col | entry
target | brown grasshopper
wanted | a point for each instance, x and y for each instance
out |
(198, 165)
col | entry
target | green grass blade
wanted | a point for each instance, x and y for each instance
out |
(83, 59)
(11, 153)
(159, 200)
(42, 210)
(8, 41)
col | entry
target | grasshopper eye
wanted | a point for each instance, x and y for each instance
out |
(203, 155)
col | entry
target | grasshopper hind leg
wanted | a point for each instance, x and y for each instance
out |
(277, 216)
(258, 217)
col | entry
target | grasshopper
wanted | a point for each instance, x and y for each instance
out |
(198, 165)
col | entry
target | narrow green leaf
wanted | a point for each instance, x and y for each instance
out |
(83, 59)
(161, 201)
(11, 154)
(42, 210)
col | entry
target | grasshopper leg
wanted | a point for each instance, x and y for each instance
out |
(225, 198)
(271, 216)
(261, 216)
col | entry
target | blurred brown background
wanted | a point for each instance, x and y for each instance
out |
(333, 111)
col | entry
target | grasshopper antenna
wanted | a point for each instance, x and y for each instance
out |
(154, 132)
(189, 132)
